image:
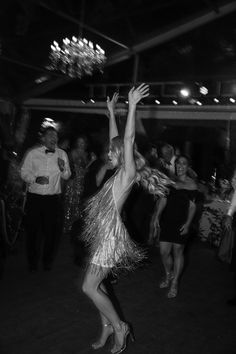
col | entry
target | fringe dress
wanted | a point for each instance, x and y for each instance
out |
(105, 234)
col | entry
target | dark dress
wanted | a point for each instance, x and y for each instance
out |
(175, 215)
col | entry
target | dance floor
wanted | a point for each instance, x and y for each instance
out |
(46, 312)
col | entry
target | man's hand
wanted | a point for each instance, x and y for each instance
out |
(61, 164)
(111, 104)
(42, 180)
(135, 95)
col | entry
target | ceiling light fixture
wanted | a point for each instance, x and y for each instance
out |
(199, 103)
(77, 57)
(203, 90)
(185, 92)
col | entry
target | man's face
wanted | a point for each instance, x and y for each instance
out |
(50, 139)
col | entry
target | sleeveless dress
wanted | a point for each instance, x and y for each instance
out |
(106, 235)
(175, 215)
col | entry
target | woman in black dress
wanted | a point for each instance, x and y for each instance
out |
(175, 214)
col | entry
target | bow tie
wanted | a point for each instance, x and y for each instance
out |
(47, 151)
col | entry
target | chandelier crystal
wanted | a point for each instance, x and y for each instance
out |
(76, 57)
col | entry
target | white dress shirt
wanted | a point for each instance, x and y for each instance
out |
(37, 163)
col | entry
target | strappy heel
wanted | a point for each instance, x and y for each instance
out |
(173, 290)
(128, 332)
(166, 281)
(102, 341)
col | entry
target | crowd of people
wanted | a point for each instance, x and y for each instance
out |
(94, 198)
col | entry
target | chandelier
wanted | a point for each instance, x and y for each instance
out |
(76, 57)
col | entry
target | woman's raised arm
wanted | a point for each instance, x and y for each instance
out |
(111, 104)
(135, 95)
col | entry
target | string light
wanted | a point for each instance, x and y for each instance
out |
(185, 92)
(203, 90)
(199, 103)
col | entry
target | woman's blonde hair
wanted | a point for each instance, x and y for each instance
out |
(151, 179)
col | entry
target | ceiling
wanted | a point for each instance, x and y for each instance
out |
(144, 40)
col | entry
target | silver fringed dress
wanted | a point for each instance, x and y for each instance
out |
(106, 235)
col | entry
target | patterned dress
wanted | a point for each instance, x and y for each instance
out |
(72, 195)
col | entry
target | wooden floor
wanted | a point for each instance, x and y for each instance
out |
(46, 312)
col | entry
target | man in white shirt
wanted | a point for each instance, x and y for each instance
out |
(42, 170)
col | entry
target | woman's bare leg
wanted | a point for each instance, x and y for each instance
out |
(167, 260)
(103, 318)
(92, 288)
(178, 260)
(178, 267)
(107, 328)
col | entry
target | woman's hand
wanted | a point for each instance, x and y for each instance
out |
(135, 95)
(154, 232)
(184, 229)
(111, 104)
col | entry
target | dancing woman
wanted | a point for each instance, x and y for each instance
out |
(110, 245)
(175, 213)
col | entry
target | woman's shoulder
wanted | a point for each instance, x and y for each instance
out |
(190, 184)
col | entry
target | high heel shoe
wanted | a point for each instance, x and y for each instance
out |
(106, 333)
(166, 281)
(173, 290)
(127, 332)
